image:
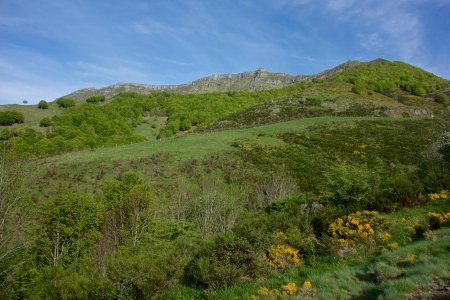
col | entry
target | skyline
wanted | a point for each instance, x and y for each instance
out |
(51, 48)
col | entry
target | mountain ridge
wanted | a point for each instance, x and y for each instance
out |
(259, 79)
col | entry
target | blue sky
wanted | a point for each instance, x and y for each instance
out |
(49, 48)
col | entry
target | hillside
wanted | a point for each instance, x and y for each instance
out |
(248, 186)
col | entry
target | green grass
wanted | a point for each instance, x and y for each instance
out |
(32, 114)
(199, 145)
(151, 127)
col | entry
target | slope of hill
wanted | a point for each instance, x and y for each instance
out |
(334, 186)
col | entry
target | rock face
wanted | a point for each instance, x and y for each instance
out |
(261, 79)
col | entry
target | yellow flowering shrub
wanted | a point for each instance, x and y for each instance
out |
(411, 259)
(385, 236)
(280, 237)
(360, 151)
(429, 235)
(289, 289)
(441, 195)
(245, 147)
(359, 225)
(307, 284)
(281, 256)
(263, 291)
(392, 246)
(440, 218)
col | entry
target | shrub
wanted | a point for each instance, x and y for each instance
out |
(437, 219)
(11, 117)
(226, 260)
(441, 98)
(289, 289)
(42, 104)
(282, 256)
(45, 122)
(381, 272)
(95, 99)
(65, 102)
(444, 147)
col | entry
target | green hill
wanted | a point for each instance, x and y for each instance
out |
(254, 186)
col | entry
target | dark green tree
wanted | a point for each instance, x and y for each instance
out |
(43, 104)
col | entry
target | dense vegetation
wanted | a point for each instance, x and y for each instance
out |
(10, 117)
(95, 99)
(88, 126)
(348, 203)
(382, 75)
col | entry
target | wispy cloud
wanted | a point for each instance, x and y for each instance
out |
(384, 24)
(172, 61)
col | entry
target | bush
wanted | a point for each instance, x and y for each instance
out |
(11, 117)
(95, 99)
(228, 260)
(45, 122)
(65, 102)
(444, 148)
(42, 104)
(441, 98)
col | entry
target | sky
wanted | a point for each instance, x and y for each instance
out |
(49, 48)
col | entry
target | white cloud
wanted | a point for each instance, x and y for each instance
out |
(393, 25)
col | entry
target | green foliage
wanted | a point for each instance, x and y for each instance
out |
(382, 75)
(441, 98)
(228, 259)
(43, 104)
(444, 147)
(153, 266)
(65, 102)
(96, 99)
(68, 226)
(45, 122)
(10, 117)
(358, 87)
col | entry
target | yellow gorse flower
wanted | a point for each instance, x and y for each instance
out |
(263, 291)
(307, 284)
(392, 246)
(289, 289)
(442, 218)
(385, 236)
(281, 256)
(441, 195)
(354, 226)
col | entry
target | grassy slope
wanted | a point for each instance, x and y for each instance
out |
(32, 114)
(198, 145)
